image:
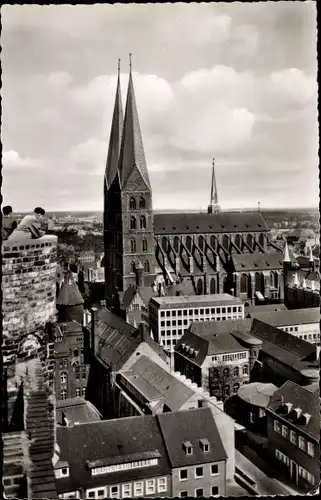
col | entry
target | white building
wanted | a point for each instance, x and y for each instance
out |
(170, 317)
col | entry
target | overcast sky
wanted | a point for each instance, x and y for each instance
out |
(236, 81)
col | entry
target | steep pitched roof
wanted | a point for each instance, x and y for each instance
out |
(132, 153)
(192, 426)
(224, 222)
(257, 261)
(308, 401)
(115, 138)
(110, 442)
(69, 294)
(291, 317)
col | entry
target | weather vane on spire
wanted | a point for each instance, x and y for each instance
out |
(130, 62)
(118, 67)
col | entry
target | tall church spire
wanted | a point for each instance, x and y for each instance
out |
(115, 136)
(132, 150)
(213, 206)
(286, 257)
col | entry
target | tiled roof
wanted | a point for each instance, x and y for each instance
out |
(77, 411)
(191, 425)
(308, 401)
(304, 261)
(69, 294)
(115, 138)
(291, 317)
(203, 223)
(265, 308)
(105, 441)
(257, 261)
(174, 392)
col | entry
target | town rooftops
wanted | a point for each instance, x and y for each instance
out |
(69, 294)
(264, 308)
(291, 317)
(157, 384)
(185, 301)
(292, 402)
(191, 427)
(257, 261)
(75, 411)
(204, 223)
(256, 393)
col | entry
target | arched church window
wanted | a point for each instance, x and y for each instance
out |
(77, 392)
(142, 203)
(261, 240)
(201, 242)
(144, 245)
(213, 286)
(146, 266)
(238, 241)
(143, 222)
(176, 244)
(274, 279)
(83, 392)
(133, 222)
(189, 243)
(132, 246)
(225, 242)
(244, 283)
(133, 267)
(259, 282)
(213, 242)
(76, 353)
(225, 285)
(132, 204)
(249, 240)
(164, 243)
(199, 287)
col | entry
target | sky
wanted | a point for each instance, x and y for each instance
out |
(235, 81)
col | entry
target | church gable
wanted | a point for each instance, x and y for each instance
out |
(135, 181)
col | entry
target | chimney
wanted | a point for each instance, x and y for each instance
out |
(144, 335)
(139, 271)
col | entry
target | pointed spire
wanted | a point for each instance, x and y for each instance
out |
(304, 283)
(213, 206)
(296, 280)
(286, 257)
(132, 150)
(115, 135)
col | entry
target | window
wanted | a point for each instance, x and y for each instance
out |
(132, 246)
(162, 314)
(277, 426)
(146, 266)
(161, 484)
(236, 371)
(144, 245)
(183, 475)
(245, 370)
(114, 491)
(101, 493)
(133, 222)
(91, 494)
(199, 472)
(63, 378)
(285, 431)
(77, 391)
(183, 494)
(150, 486)
(63, 394)
(301, 443)
(142, 202)
(138, 489)
(310, 449)
(306, 475)
(214, 469)
(126, 490)
(199, 492)
(226, 372)
(236, 388)
(214, 490)
(293, 438)
(283, 458)
(143, 222)
(132, 204)
(83, 391)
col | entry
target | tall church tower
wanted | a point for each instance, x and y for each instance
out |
(213, 207)
(129, 218)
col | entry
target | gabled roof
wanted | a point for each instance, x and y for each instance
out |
(204, 223)
(115, 138)
(257, 261)
(308, 401)
(290, 317)
(193, 426)
(132, 150)
(69, 294)
(109, 442)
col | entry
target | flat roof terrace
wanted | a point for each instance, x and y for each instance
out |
(185, 301)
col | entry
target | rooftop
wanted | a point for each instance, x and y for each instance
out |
(197, 300)
(265, 308)
(256, 393)
(291, 317)
(224, 222)
(76, 411)
(257, 261)
(69, 294)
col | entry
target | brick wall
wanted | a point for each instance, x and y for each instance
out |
(28, 288)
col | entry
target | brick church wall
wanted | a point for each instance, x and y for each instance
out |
(28, 289)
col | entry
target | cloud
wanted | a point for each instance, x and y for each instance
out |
(89, 156)
(12, 160)
(295, 84)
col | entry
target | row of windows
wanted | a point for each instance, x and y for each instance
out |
(142, 222)
(246, 282)
(136, 489)
(79, 392)
(233, 357)
(146, 267)
(294, 438)
(216, 373)
(198, 472)
(199, 492)
(133, 204)
(64, 375)
(133, 247)
(226, 389)
(191, 312)
(125, 466)
(301, 471)
(196, 320)
(214, 242)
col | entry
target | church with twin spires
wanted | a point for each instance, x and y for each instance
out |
(177, 253)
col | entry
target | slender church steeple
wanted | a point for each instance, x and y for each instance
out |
(115, 136)
(213, 207)
(132, 155)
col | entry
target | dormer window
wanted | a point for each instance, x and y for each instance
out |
(297, 412)
(306, 418)
(288, 407)
(61, 470)
(205, 445)
(188, 447)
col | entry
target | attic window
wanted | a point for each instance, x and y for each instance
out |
(259, 225)
(242, 264)
(188, 447)
(197, 227)
(267, 263)
(235, 225)
(205, 445)
(222, 226)
(174, 228)
(187, 227)
(255, 263)
(246, 225)
(306, 417)
(164, 228)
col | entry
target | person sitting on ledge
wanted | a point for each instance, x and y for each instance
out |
(8, 222)
(31, 227)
